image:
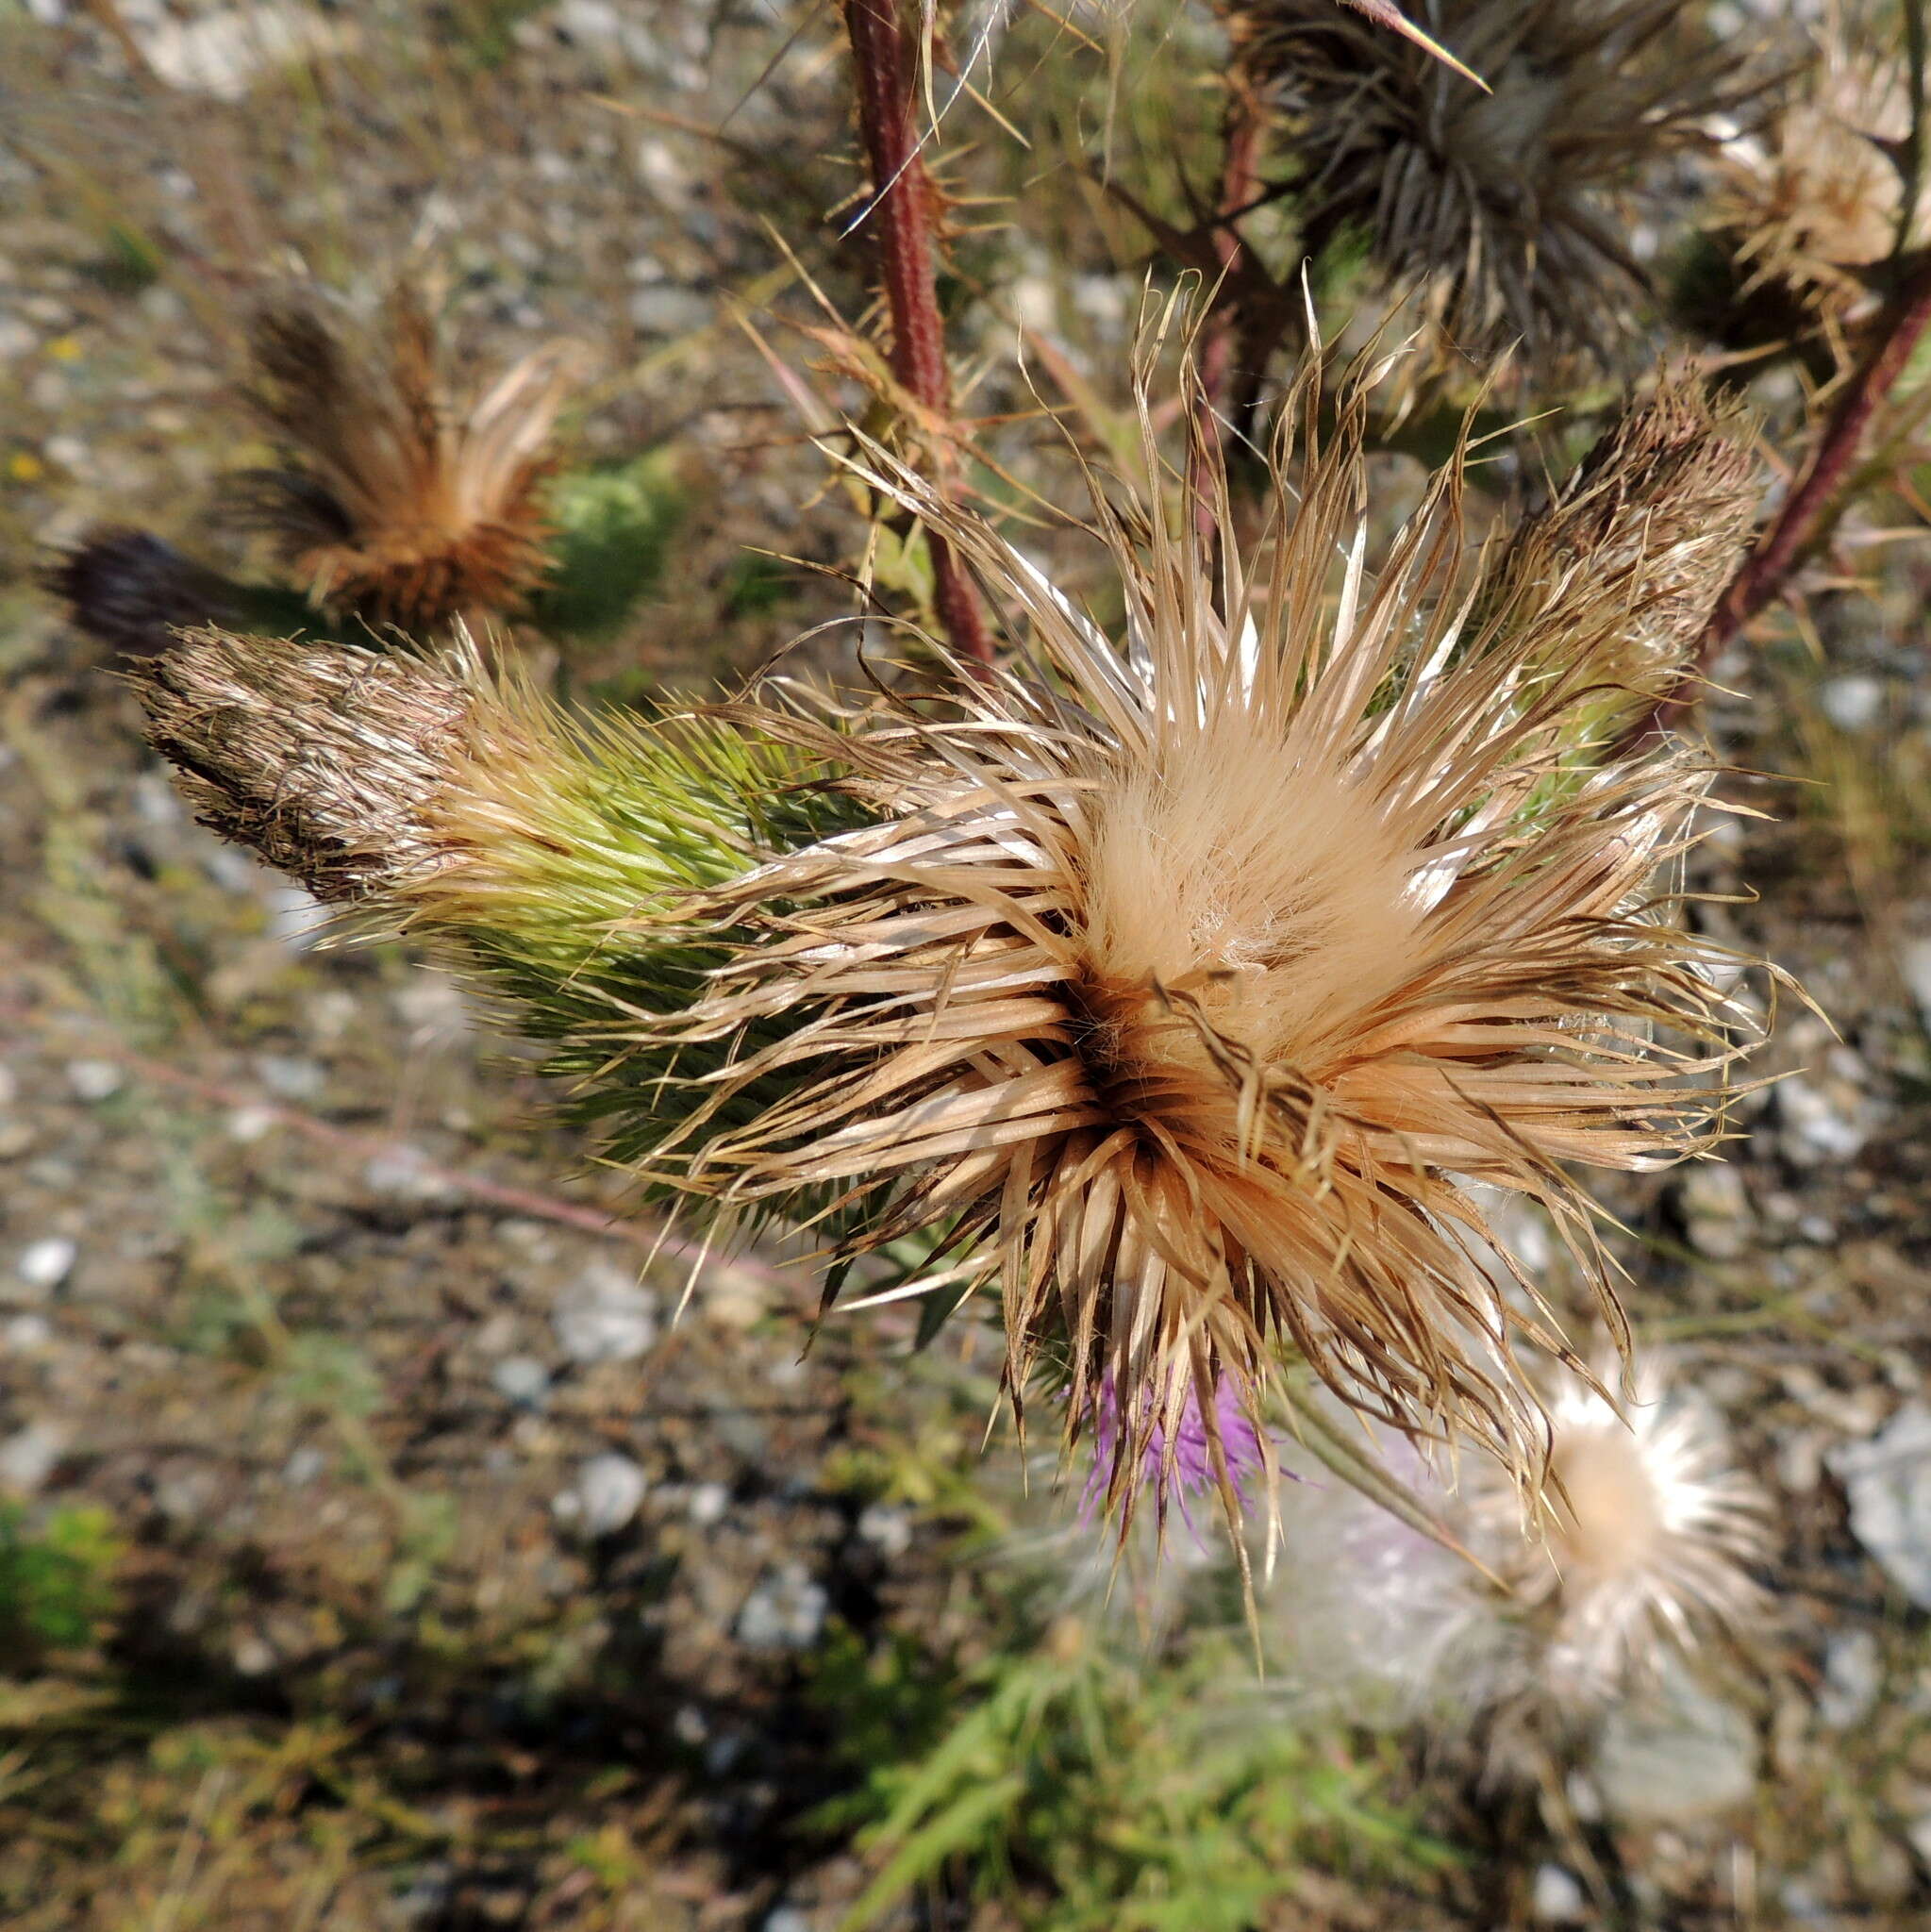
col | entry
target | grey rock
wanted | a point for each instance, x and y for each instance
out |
(522, 1379)
(606, 1316)
(1675, 1752)
(1853, 1674)
(28, 1457)
(708, 1504)
(44, 1264)
(609, 1491)
(1888, 1481)
(785, 1611)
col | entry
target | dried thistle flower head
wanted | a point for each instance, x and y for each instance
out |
(1813, 200)
(1507, 215)
(321, 759)
(394, 502)
(1188, 986)
(1651, 1531)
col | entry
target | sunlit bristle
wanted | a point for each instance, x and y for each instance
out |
(394, 502)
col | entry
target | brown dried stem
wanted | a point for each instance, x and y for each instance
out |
(901, 209)
(1809, 510)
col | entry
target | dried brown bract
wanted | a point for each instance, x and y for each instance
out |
(1507, 215)
(395, 504)
(319, 758)
(1638, 546)
(1188, 984)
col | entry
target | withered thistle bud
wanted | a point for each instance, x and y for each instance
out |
(324, 759)
(130, 591)
(542, 853)
(394, 502)
(1634, 550)
(1506, 216)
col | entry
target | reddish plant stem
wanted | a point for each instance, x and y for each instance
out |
(902, 212)
(1804, 517)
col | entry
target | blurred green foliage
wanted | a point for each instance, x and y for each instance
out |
(1086, 1791)
(614, 527)
(55, 1581)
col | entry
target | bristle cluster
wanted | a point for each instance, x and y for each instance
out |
(396, 504)
(1187, 989)
(1507, 215)
(1635, 549)
(322, 760)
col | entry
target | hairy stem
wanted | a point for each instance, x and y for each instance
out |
(902, 208)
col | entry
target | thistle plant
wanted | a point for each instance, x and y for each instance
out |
(1060, 990)
(1506, 216)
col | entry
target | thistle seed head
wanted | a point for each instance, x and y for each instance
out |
(1812, 201)
(1189, 982)
(393, 502)
(1507, 216)
(1651, 1531)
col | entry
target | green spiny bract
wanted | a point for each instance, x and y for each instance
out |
(543, 853)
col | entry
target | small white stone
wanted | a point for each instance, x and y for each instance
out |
(1815, 1130)
(786, 1919)
(708, 1504)
(27, 1333)
(785, 1611)
(94, 1081)
(247, 1124)
(252, 1658)
(521, 1378)
(1559, 1898)
(611, 1490)
(1854, 702)
(403, 1171)
(289, 1078)
(1853, 1675)
(28, 1458)
(46, 1264)
(304, 1465)
(606, 1316)
(223, 54)
(888, 1530)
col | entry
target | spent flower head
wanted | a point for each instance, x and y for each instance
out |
(1508, 215)
(1189, 981)
(393, 501)
(1650, 1530)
